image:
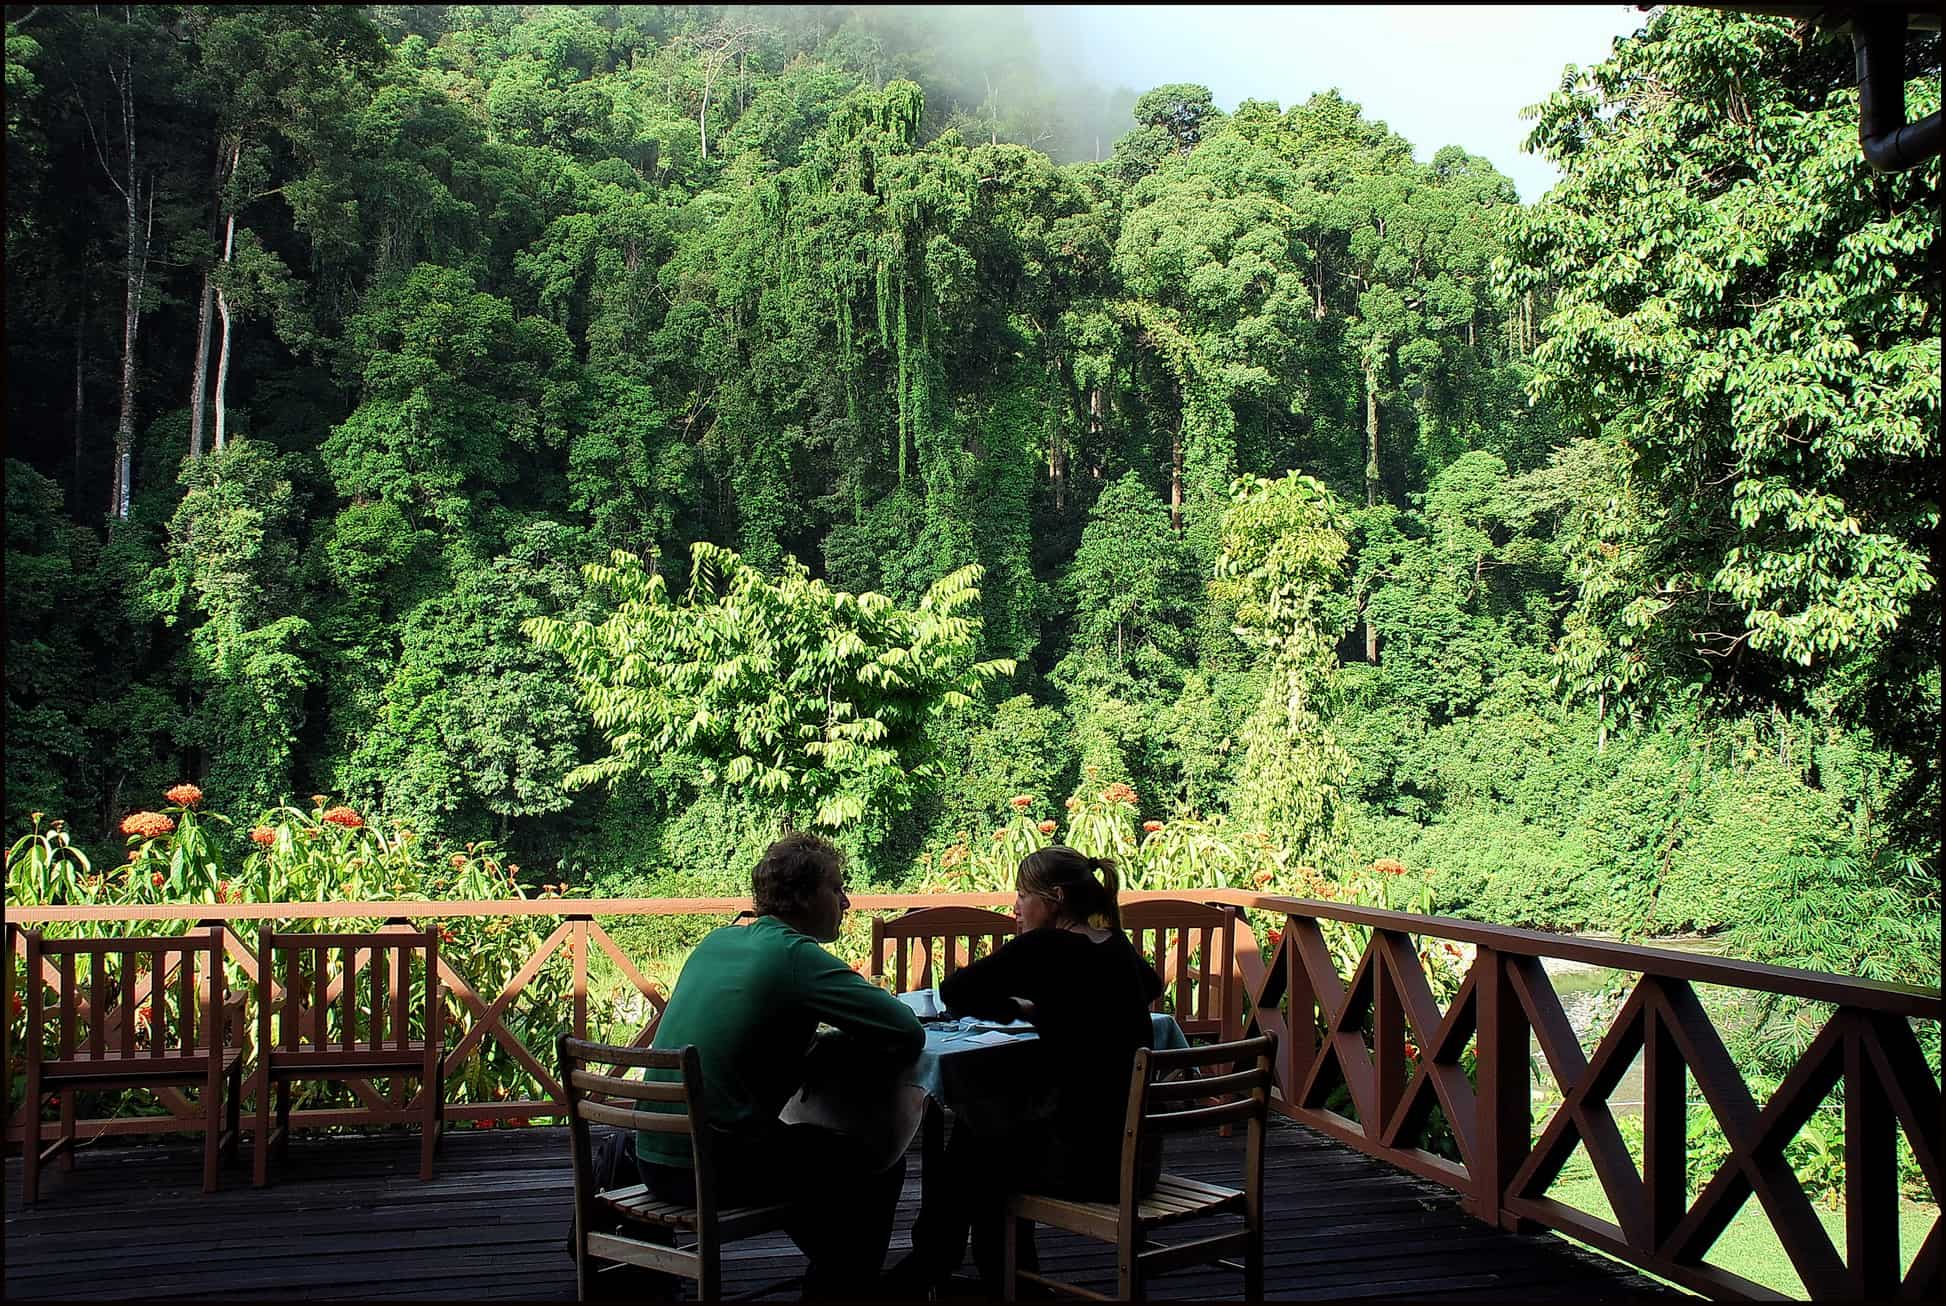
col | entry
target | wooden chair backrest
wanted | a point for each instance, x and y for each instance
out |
(951, 933)
(600, 1097)
(1161, 1082)
(1193, 947)
(393, 961)
(113, 1009)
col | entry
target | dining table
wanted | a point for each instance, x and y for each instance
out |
(986, 1072)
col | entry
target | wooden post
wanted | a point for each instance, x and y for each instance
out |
(1665, 1126)
(1505, 1111)
(1388, 1040)
(578, 949)
(1871, 1175)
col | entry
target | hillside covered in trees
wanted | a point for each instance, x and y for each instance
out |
(340, 341)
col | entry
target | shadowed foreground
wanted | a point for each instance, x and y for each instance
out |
(347, 1217)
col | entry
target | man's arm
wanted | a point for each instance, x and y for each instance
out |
(841, 997)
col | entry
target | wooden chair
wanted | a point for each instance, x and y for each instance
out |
(952, 932)
(201, 1053)
(1129, 1222)
(591, 1097)
(1192, 945)
(364, 1043)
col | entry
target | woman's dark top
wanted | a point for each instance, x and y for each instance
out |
(1091, 1006)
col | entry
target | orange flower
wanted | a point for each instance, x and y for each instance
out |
(1047, 827)
(144, 1014)
(15, 1004)
(998, 835)
(134, 854)
(445, 935)
(1412, 1050)
(1264, 877)
(344, 816)
(517, 1122)
(264, 835)
(512, 870)
(1389, 866)
(458, 860)
(1151, 826)
(156, 879)
(1073, 803)
(1021, 800)
(222, 888)
(184, 795)
(1276, 937)
(318, 800)
(148, 825)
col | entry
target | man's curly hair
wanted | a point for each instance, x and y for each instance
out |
(789, 875)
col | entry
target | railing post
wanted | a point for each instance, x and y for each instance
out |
(1301, 1026)
(1665, 1128)
(1388, 1039)
(578, 946)
(1871, 1173)
(1503, 1096)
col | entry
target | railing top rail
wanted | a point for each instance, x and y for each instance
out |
(1818, 986)
(1875, 995)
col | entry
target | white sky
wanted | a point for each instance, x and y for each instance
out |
(1435, 74)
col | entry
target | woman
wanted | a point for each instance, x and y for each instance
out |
(1073, 973)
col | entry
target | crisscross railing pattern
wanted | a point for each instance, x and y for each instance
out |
(1343, 1067)
(1343, 1040)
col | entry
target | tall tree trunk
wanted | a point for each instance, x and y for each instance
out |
(135, 266)
(1371, 433)
(1371, 480)
(199, 376)
(80, 395)
(132, 262)
(1175, 481)
(199, 372)
(223, 356)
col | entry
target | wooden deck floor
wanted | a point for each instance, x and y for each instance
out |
(348, 1218)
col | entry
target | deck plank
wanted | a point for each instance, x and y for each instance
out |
(347, 1218)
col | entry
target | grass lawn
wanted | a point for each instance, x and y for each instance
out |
(1749, 1247)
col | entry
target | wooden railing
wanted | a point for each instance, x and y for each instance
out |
(1346, 1036)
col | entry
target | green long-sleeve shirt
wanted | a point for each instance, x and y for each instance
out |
(750, 998)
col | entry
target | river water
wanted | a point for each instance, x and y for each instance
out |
(1580, 986)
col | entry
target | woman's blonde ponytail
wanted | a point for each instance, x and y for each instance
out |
(1111, 889)
(1088, 886)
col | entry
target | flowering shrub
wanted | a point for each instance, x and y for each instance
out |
(325, 854)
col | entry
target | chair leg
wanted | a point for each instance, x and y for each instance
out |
(1128, 1269)
(233, 1116)
(260, 1151)
(66, 1156)
(1010, 1260)
(30, 1139)
(428, 1135)
(709, 1272)
(212, 1130)
(584, 1267)
(1253, 1267)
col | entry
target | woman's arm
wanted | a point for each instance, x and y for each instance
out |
(991, 987)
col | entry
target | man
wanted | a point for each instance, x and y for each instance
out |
(750, 999)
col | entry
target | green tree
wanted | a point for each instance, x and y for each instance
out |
(1283, 546)
(818, 700)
